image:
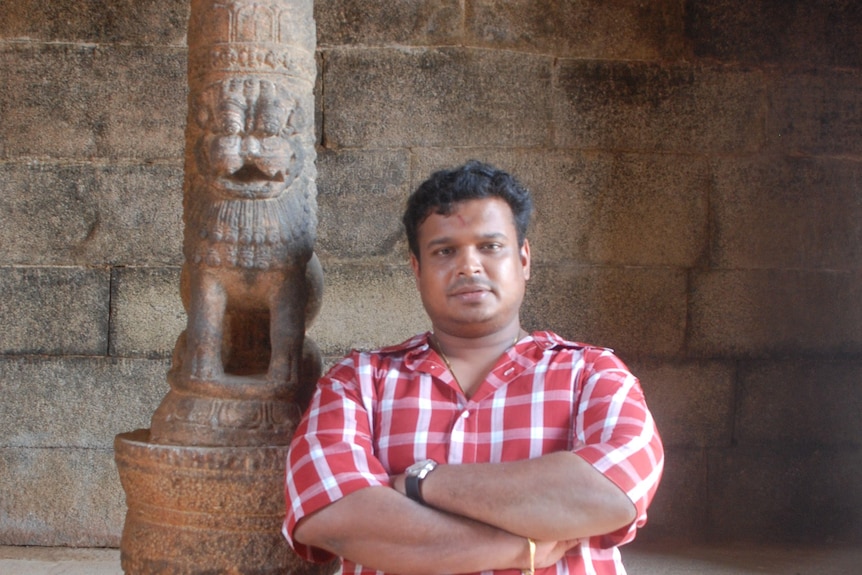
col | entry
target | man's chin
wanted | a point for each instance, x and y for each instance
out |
(472, 326)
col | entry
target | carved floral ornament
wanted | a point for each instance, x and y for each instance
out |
(244, 21)
(255, 37)
(253, 59)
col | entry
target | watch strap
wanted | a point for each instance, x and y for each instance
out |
(411, 488)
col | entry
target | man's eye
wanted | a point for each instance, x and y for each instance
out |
(443, 252)
(492, 247)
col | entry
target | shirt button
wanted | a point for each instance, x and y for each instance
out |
(465, 414)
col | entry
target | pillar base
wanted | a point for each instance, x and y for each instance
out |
(204, 510)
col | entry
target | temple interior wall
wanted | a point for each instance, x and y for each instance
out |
(696, 167)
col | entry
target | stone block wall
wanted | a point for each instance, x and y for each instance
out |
(696, 172)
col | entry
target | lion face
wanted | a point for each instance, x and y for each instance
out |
(246, 148)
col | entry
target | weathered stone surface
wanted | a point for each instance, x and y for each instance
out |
(775, 313)
(140, 217)
(415, 22)
(61, 214)
(366, 307)
(637, 106)
(763, 209)
(140, 111)
(121, 21)
(60, 497)
(85, 101)
(46, 212)
(817, 113)
(76, 402)
(613, 209)
(55, 119)
(622, 210)
(810, 403)
(147, 315)
(361, 195)
(758, 494)
(692, 402)
(620, 29)
(776, 31)
(470, 97)
(208, 510)
(679, 510)
(632, 310)
(75, 322)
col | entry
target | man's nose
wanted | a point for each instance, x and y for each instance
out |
(469, 262)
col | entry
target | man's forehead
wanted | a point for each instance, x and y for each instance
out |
(486, 216)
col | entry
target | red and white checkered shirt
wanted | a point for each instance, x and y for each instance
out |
(376, 413)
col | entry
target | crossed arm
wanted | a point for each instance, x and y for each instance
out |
(477, 518)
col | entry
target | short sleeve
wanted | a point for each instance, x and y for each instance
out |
(616, 434)
(331, 454)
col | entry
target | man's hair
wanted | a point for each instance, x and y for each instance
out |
(472, 181)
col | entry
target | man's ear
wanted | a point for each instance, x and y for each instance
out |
(414, 265)
(525, 258)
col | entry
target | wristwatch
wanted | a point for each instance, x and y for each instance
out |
(414, 476)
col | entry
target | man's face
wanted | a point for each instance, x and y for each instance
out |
(471, 273)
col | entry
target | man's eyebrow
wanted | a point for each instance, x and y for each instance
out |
(447, 240)
(438, 242)
(494, 236)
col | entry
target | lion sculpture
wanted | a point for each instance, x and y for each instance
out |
(250, 279)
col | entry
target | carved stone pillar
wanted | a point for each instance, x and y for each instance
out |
(204, 485)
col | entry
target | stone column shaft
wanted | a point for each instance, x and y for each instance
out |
(204, 485)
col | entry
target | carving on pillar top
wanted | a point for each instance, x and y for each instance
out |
(253, 59)
(253, 36)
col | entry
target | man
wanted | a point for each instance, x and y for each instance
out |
(476, 446)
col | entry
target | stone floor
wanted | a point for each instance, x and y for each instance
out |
(645, 559)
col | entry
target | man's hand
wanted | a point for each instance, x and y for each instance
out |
(397, 483)
(549, 552)
(555, 497)
(382, 529)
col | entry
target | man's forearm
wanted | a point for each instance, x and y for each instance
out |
(558, 496)
(380, 528)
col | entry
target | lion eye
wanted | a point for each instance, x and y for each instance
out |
(231, 126)
(269, 125)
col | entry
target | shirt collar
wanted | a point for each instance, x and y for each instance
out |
(550, 340)
(417, 349)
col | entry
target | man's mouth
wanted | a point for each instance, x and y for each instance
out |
(469, 288)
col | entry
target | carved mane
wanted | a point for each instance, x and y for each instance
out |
(250, 233)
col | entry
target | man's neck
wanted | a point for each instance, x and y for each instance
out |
(471, 358)
(466, 347)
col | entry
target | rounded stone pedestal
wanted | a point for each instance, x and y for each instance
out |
(204, 510)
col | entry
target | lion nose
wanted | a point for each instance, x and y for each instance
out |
(250, 147)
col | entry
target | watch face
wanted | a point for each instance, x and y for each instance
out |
(419, 466)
